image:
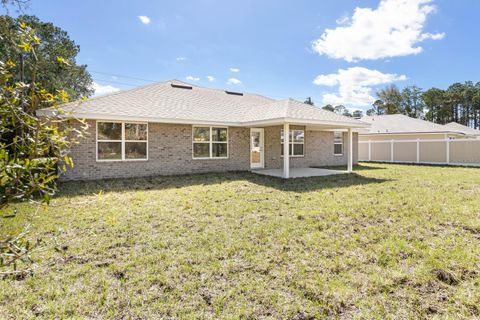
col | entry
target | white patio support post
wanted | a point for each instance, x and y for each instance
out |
(286, 150)
(350, 150)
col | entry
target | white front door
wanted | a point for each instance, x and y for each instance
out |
(256, 148)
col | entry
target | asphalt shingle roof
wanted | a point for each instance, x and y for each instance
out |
(399, 123)
(163, 101)
(461, 128)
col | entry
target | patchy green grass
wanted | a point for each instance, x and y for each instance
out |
(391, 241)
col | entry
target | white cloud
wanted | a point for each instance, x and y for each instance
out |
(342, 20)
(192, 78)
(354, 85)
(103, 89)
(394, 28)
(144, 19)
(235, 70)
(210, 78)
(181, 58)
(233, 81)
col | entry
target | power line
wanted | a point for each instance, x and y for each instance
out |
(116, 82)
(108, 81)
(146, 80)
(122, 76)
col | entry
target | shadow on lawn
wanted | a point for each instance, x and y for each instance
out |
(78, 188)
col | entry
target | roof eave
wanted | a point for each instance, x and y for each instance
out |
(113, 117)
(298, 121)
(267, 122)
(413, 132)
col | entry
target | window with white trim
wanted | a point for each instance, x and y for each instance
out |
(338, 143)
(122, 141)
(296, 142)
(210, 142)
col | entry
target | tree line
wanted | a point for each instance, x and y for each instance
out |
(460, 103)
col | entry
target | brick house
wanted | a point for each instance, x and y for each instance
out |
(173, 127)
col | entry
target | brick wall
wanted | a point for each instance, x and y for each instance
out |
(170, 152)
(318, 149)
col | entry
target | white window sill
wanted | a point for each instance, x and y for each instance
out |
(302, 156)
(120, 160)
(212, 158)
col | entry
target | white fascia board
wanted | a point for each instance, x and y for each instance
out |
(356, 130)
(268, 122)
(110, 117)
(306, 122)
(410, 133)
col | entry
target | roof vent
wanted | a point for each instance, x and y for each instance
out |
(180, 86)
(234, 93)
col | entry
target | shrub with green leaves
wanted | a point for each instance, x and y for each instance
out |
(34, 150)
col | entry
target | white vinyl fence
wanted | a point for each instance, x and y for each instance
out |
(465, 152)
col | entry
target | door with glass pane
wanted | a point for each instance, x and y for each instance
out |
(256, 148)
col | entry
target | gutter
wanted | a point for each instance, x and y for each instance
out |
(275, 121)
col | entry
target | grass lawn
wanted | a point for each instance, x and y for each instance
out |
(391, 241)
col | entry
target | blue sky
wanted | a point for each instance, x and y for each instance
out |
(274, 48)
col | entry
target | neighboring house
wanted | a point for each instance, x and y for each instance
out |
(399, 138)
(402, 127)
(173, 127)
(470, 132)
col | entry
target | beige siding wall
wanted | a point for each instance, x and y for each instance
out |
(318, 149)
(465, 152)
(433, 152)
(170, 152)
(381, 151)
(382, 137)
(405, 151)
(363, 151)
(457, 152)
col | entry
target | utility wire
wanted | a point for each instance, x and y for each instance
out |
(146, 80)
(122, 76)
(116, 82)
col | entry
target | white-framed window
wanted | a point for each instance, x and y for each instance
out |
(122, 141)
(338, 143)
(209, 142)
(296, 140)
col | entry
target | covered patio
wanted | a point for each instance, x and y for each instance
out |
(284, 167)
(299, 172)
(305, 126)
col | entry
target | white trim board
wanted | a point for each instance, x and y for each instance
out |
(267, 122)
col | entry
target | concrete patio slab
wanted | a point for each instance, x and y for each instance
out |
(299, 172)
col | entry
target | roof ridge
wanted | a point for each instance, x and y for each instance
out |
(118, 92)
(314, 107)
(159, 83)
(162, 101)
(429, 122)
(318, 108)
(223, 90)
(386, 123)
